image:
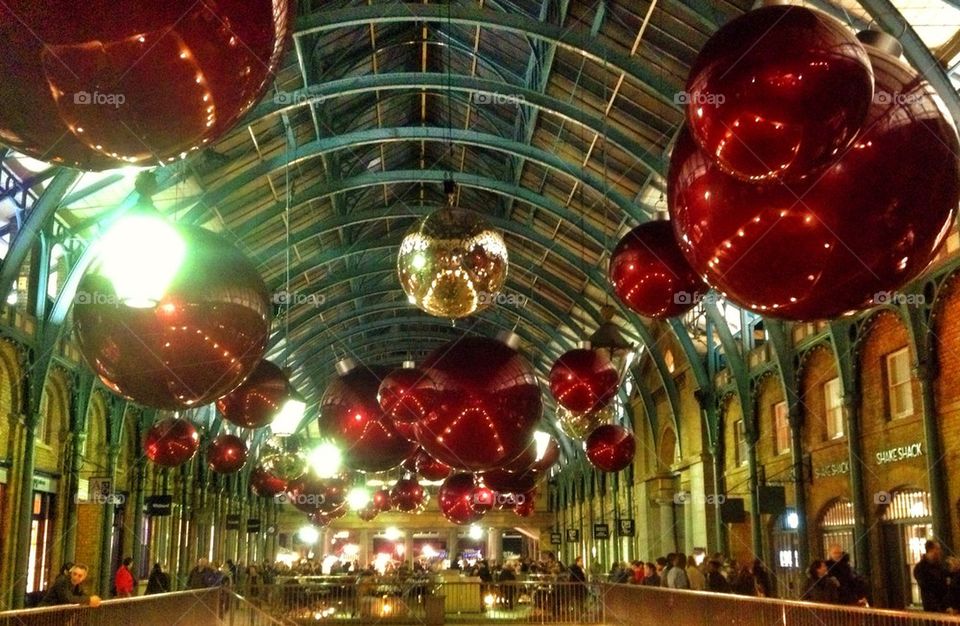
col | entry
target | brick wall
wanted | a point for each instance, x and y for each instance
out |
(946, 328)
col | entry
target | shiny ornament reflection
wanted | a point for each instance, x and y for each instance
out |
(526, 505)
(487, 404)
(429, 468)
(397, 398)
(369, 512)
(381, 499)
(452, 264)
(266, 485)
(578, 426)
(201, 341)
(283, 458)
(258, 399)
(503, 481)
(140, 83)
(408, 495)
(610, 448)
(322, 495)
(778, 93)
(866, 226)
(171, 442)
(650, 274)
(583, 380)
(456, 500)
(351, 417)
(226, 454)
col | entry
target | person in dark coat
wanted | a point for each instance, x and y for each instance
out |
(853, 588)
(159, 581)
(822, 587)
(953, 585)
(716, 581)
(70, 590)
(931, 576)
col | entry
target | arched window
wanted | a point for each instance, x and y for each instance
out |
(836, 527)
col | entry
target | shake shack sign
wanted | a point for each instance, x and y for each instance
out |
(901, 453)
(834, 469)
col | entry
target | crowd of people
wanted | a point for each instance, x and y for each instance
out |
(939, 580)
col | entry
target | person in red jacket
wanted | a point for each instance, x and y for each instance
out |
(124, 581)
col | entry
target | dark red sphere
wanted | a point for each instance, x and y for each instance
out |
(226, 454)
(650, 274)
(533, 458)
(322, 519)
(583, 380)
(369, 512)
(483, 499)
(171, 442)
(503, 481)
(258, 399)
(381, 499)
(311, 494)
(265, 484)
(351, 417)
(408, 495)
(778, 93)
(429, 468)
(526, 504)
(487, 404)
(456, 500)
(404, 394)
(109, 84)
(201, 341)
(866, 226)
(610, 448)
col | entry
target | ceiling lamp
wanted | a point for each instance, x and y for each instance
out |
(290, 416)
(152, 83)
(451, 263)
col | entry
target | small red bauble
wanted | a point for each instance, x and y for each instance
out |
(381, 499)
(311, 494)
(257, 401)
(351, 417)
(171, 442)
(201, 341)
(778, 93)
(408, 495)
(369, 512)
(526, 504)
(862, 229)
(583, 380)
(650, 274)
(610, 448)
(487, 404)
(265, 484)
(456, 500)
(404, 394)
(133, 83)
(226, 454)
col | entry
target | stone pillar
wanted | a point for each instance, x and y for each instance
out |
(494, 544)
(364, 555)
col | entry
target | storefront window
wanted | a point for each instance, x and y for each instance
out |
(41, 542)
(906, 528)
(787, 568)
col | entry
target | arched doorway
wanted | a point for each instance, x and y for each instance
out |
(788, 571)
(905, 529)
(836, 528)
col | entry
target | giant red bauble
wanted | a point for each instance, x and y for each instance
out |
(171, 442)
(201, 341)
(583, 380)
(408, 495)
(429, 468)
(456, 500)
(482, 499)
(351, 417)
(266, 485)
(610, 448)
(487, 404)
(650, 274)
(113, 83)
(312, 494)
(226, 454)
(404, 394)
(258, 399)
(778, 92)
(503, 481)
(530, 460)
(843, 240)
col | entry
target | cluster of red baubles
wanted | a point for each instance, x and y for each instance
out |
(816, 175)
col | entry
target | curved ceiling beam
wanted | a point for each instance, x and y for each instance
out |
(287, 102)
(571, 39)
(380, 136)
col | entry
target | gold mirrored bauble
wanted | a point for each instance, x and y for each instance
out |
(452, 264)
(578, 426)
(282, 457)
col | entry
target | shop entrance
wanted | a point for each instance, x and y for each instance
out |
(787, 570)
(906, 528)
(836, 528)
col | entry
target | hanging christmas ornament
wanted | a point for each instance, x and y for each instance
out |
(526, 504)
(369, 512)
(193, 340)
(650, 274)
(846, 240)
(488, 404)
(408, 495)
(503, 481)
(171, 442)
(381, 499)
(283, 458)
(610, 448)
(578, 425)
(428, 468)
(778, 93)
(226, 454)
(322, 519)
(266, 485)
(451, 263)
(351, 417)
(540, 455)
(482, 499)
(324, 495)
(456, 500)
(258, 399)
(80, 87)
(397, 397)
(583, 380)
